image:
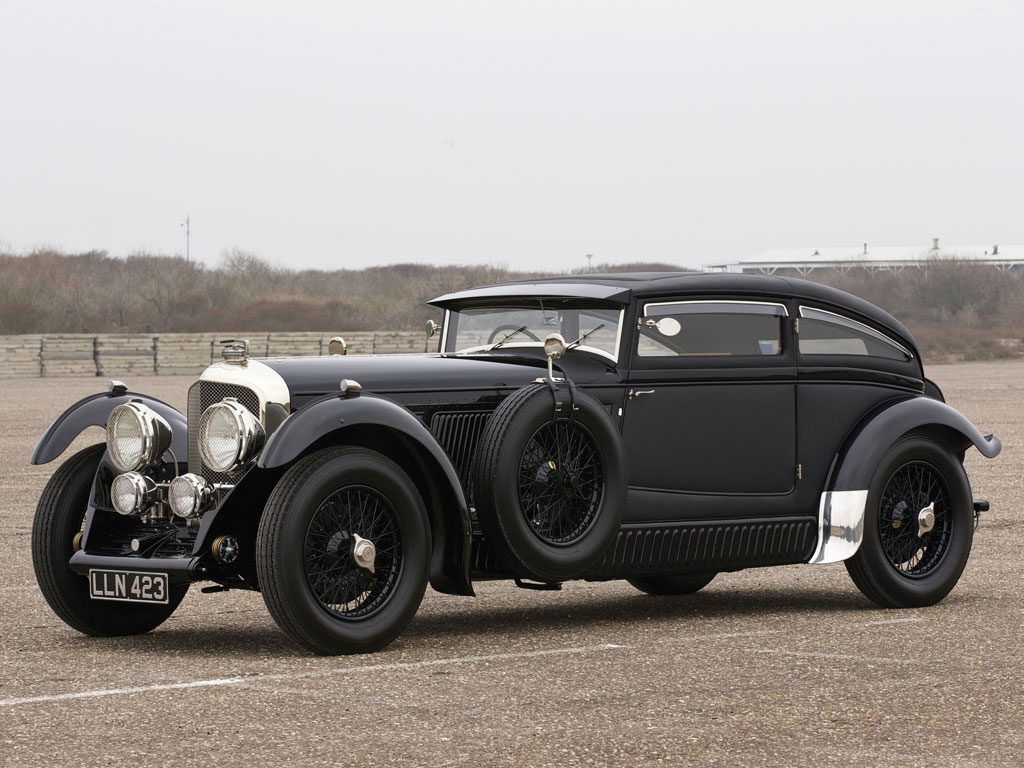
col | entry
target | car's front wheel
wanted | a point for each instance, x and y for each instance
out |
(59, 518)
(343, 550)
(918, 526)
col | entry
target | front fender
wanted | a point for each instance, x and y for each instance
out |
(93, 411)
(450, 521)
(842, 506)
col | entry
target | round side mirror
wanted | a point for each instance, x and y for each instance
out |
(668, 326)
(432, 328)
(554, 346)
(337, 346)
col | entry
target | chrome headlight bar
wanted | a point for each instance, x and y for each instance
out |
(188, 495)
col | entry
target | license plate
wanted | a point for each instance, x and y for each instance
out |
(128, 586)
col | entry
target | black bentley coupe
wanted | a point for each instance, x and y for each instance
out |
(658, 428)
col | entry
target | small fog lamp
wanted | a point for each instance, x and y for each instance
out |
(129, 493)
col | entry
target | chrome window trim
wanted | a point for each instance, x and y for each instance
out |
(718, 302)
(856, 325)
(444, 332)
(614, 357)
(778, 309)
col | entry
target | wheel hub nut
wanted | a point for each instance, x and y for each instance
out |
(926, 519)
(363, 552)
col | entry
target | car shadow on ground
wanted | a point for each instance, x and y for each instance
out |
(603, 616)
(610, 612)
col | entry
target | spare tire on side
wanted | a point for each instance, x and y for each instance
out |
(550, 485)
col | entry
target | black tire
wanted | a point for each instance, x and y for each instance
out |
(521, 465)
(305, 551)
(896, 566)
(676, 584)
(59, 516)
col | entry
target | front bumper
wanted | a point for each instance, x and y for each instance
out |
(180, 570)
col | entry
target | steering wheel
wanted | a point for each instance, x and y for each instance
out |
(500, 328)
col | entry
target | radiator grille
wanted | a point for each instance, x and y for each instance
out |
(458, 433)
(201, 396)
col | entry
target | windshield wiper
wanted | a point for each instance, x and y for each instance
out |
(583, 338)
(505, 338)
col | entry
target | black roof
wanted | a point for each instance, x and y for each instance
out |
(621, 287)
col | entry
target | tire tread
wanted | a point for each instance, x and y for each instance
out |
(62, 482)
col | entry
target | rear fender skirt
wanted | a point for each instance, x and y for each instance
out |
(93, 411)
(842, 505)
(453, 533)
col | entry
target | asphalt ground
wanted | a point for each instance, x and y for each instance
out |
(780, 666)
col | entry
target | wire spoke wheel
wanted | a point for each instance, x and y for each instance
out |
(912, 488)
(343, 587)
(561, 483)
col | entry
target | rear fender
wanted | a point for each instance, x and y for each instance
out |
(93, 411)
(332, 420)
(843, 502)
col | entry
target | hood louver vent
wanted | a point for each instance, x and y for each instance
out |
(459, 435)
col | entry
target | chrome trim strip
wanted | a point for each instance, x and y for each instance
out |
(840, 526)
(857, 325)
(785, 312)
(443, 347)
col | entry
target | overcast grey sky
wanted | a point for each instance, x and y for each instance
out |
(527, 133)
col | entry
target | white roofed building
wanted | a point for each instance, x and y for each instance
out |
(874, 258)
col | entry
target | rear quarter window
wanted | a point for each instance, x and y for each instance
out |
(827, 333)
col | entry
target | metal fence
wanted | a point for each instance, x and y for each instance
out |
(67, 355)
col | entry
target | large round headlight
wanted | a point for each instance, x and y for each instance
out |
(137, 436)
(229, 436)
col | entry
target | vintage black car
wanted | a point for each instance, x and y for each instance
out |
(658, 428)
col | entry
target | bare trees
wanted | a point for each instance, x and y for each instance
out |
(954, 307)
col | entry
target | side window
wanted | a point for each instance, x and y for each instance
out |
(826, 333)
(711, 329)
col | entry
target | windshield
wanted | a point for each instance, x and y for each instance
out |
(477, 329)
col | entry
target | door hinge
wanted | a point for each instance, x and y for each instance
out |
(799, 471)
(796, 325)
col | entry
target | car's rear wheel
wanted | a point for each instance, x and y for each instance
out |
(342, 551)
(675, 584)
(59, 517)
(918, 526)
(550, 486)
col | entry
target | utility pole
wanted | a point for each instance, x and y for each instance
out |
(187, 224)
(590, 259)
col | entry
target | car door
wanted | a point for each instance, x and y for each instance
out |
(710, 415)
(846, 369)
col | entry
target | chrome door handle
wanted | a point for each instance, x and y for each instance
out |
(635, 393)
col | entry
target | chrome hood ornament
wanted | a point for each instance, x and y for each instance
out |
(235, 351)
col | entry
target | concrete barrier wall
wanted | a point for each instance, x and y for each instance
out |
(167, 354)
